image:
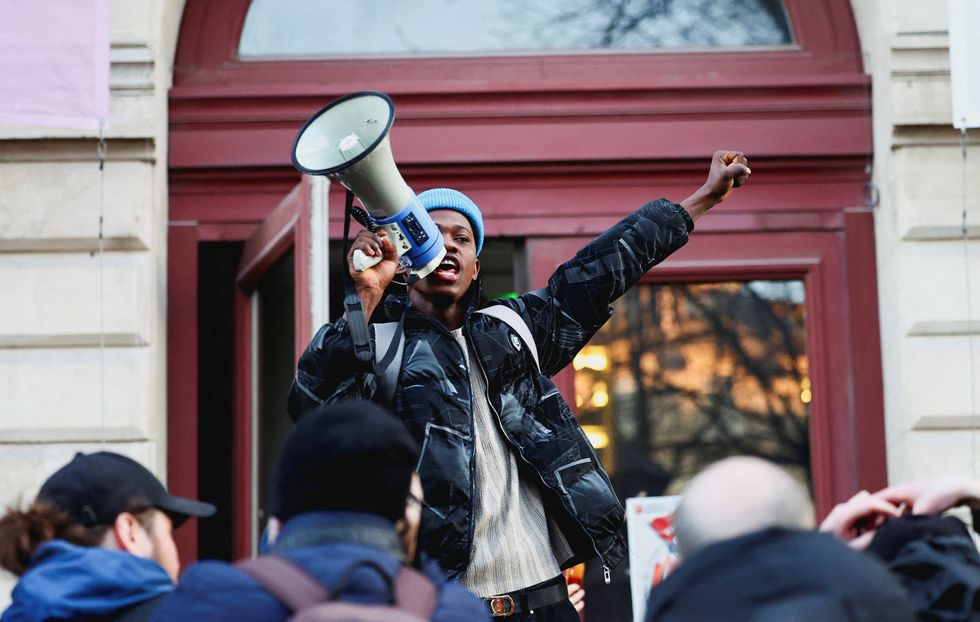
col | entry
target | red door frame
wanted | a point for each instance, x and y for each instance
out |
(551, 147)
(847, 439)
(285, 228)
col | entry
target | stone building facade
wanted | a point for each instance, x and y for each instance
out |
(61, 391)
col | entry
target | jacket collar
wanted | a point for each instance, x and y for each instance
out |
(397, 304)
(322, 528)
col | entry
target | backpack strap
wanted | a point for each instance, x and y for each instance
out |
(289, 583)
(389, 349)
(513, 319)
(412, 592)
(415, 593)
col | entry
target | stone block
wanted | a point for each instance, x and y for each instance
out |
(61, 294)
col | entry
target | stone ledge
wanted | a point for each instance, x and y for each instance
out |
(71, 245)
(941, 234)
(80, 340)
(947, 422)
(75, 150)
(964, 328)
(55, 436)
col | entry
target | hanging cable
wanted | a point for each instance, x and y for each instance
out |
(101, 151)
(970, 324)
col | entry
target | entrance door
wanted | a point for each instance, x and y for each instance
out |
(274, 312)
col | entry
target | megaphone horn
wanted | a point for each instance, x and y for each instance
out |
(347, 140)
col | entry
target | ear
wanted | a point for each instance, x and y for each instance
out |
(129, 535)
(476, 269)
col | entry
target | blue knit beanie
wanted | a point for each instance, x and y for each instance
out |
(447, 198)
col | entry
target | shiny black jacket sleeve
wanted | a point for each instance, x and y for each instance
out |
(564, 315)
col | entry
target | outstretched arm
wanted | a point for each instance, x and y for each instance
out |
(937, 494)
(575, 304)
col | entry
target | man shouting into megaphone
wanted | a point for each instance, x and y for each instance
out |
(514, 492)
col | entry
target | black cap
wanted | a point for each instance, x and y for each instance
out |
(352, 456)
(96, 488)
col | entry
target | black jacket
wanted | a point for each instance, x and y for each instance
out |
(777, 575)
(936, 560)
(433, 397)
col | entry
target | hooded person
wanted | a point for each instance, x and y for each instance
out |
(349, 503)
(96, 543)
(514, 490)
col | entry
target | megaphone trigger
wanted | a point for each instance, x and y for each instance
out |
(362, 261)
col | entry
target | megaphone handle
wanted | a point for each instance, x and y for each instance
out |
(362, 261)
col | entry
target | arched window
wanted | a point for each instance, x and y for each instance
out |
(337, 28)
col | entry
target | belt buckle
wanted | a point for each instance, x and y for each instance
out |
(501, 606)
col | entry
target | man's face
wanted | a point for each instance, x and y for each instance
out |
(450, 281)
(161, 532)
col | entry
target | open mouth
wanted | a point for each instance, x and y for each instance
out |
(448, 269)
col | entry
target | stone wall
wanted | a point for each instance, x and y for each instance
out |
(919, 178)
(55, 285)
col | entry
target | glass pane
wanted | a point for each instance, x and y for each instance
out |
(686, 374)
(332, 28)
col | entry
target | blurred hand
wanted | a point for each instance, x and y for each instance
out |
(933, 495)
(576, 594)
(856, 520)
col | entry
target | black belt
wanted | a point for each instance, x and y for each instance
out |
(530, 598)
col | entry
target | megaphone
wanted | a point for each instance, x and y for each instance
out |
(347, 140)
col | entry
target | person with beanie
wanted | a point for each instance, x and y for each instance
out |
(96, 543)
(349, 504)
(514, 491)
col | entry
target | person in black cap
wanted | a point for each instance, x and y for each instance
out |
(349, 502)
(96, 543)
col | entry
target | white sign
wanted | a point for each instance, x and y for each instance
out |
(964, 62)
(650, 530)
(54, 62)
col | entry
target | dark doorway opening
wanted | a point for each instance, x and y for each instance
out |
(218, 264)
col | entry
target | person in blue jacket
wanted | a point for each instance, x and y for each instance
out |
(349, 503)
(96, 544)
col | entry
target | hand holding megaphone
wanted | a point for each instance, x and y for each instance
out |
(347, 140)
(372, 263)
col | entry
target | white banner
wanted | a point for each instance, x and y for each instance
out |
(54, 62)
(964, 61)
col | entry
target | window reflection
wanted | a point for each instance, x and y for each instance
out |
(332, 28)
(686, 374)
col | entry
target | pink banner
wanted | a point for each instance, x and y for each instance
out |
(54, 62)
